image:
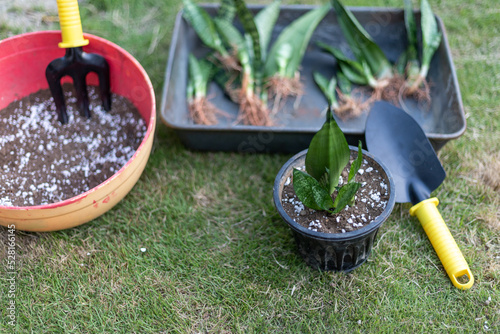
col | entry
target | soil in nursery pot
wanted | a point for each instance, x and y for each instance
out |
(44, 161)
(370, 201)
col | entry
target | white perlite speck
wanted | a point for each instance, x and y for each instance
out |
(288, 180)
(314, 225)
(375, 197)
(5, 201)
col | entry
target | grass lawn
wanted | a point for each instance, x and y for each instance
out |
(220, 260)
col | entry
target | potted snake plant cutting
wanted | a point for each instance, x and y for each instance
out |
(334, 197)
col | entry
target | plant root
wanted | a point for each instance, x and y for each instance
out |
(280, 88)
(285, 87)
(418, 90)
(233, 93)
(390, 92)
(229, 62)
(253, 111)
(396, 89)
(350, 107)
(204, 112)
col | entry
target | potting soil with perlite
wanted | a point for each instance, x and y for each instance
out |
(45, 162)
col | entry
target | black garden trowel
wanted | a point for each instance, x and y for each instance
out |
(399, 141)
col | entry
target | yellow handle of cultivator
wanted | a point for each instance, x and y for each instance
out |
(445, 246)
(71, 26)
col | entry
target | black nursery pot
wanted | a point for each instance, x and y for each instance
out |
(332, 251)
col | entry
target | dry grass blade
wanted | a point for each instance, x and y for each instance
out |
(489, 172)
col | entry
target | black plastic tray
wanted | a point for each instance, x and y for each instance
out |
(443, 120)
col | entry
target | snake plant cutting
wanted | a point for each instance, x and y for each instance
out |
(349, 106)
(250, 50)
(431, 39)
(287, 52)
(328, 88)
(201, 110)
(371, 66)
(326, 158)
(408, 61)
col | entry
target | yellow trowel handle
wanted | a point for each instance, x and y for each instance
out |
(445, 246)
(71, 26)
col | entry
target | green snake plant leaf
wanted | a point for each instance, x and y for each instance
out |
(297, 34)
(401, 62)
(410, 56)
(327, 87)
(190, 90)
(328, 153)
(411, 30)
(310, 192)
(283, 56)
(361, 43)
(230, 35)
(265, 21)
(345, 196)
(352, 69)
(227, 82)
(206, 69)
(248, 22)
(226, 11)
(431, 37)
(354, 72)
(204, 26)
(368, 74)
(200, 72)
(344, 84)
(356, 164)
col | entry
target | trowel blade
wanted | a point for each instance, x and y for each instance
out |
(398, 140)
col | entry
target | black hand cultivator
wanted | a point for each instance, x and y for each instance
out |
(76, 63)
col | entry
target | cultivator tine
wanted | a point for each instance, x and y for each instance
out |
(103, 75)
(82, 98)
(56, 90)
